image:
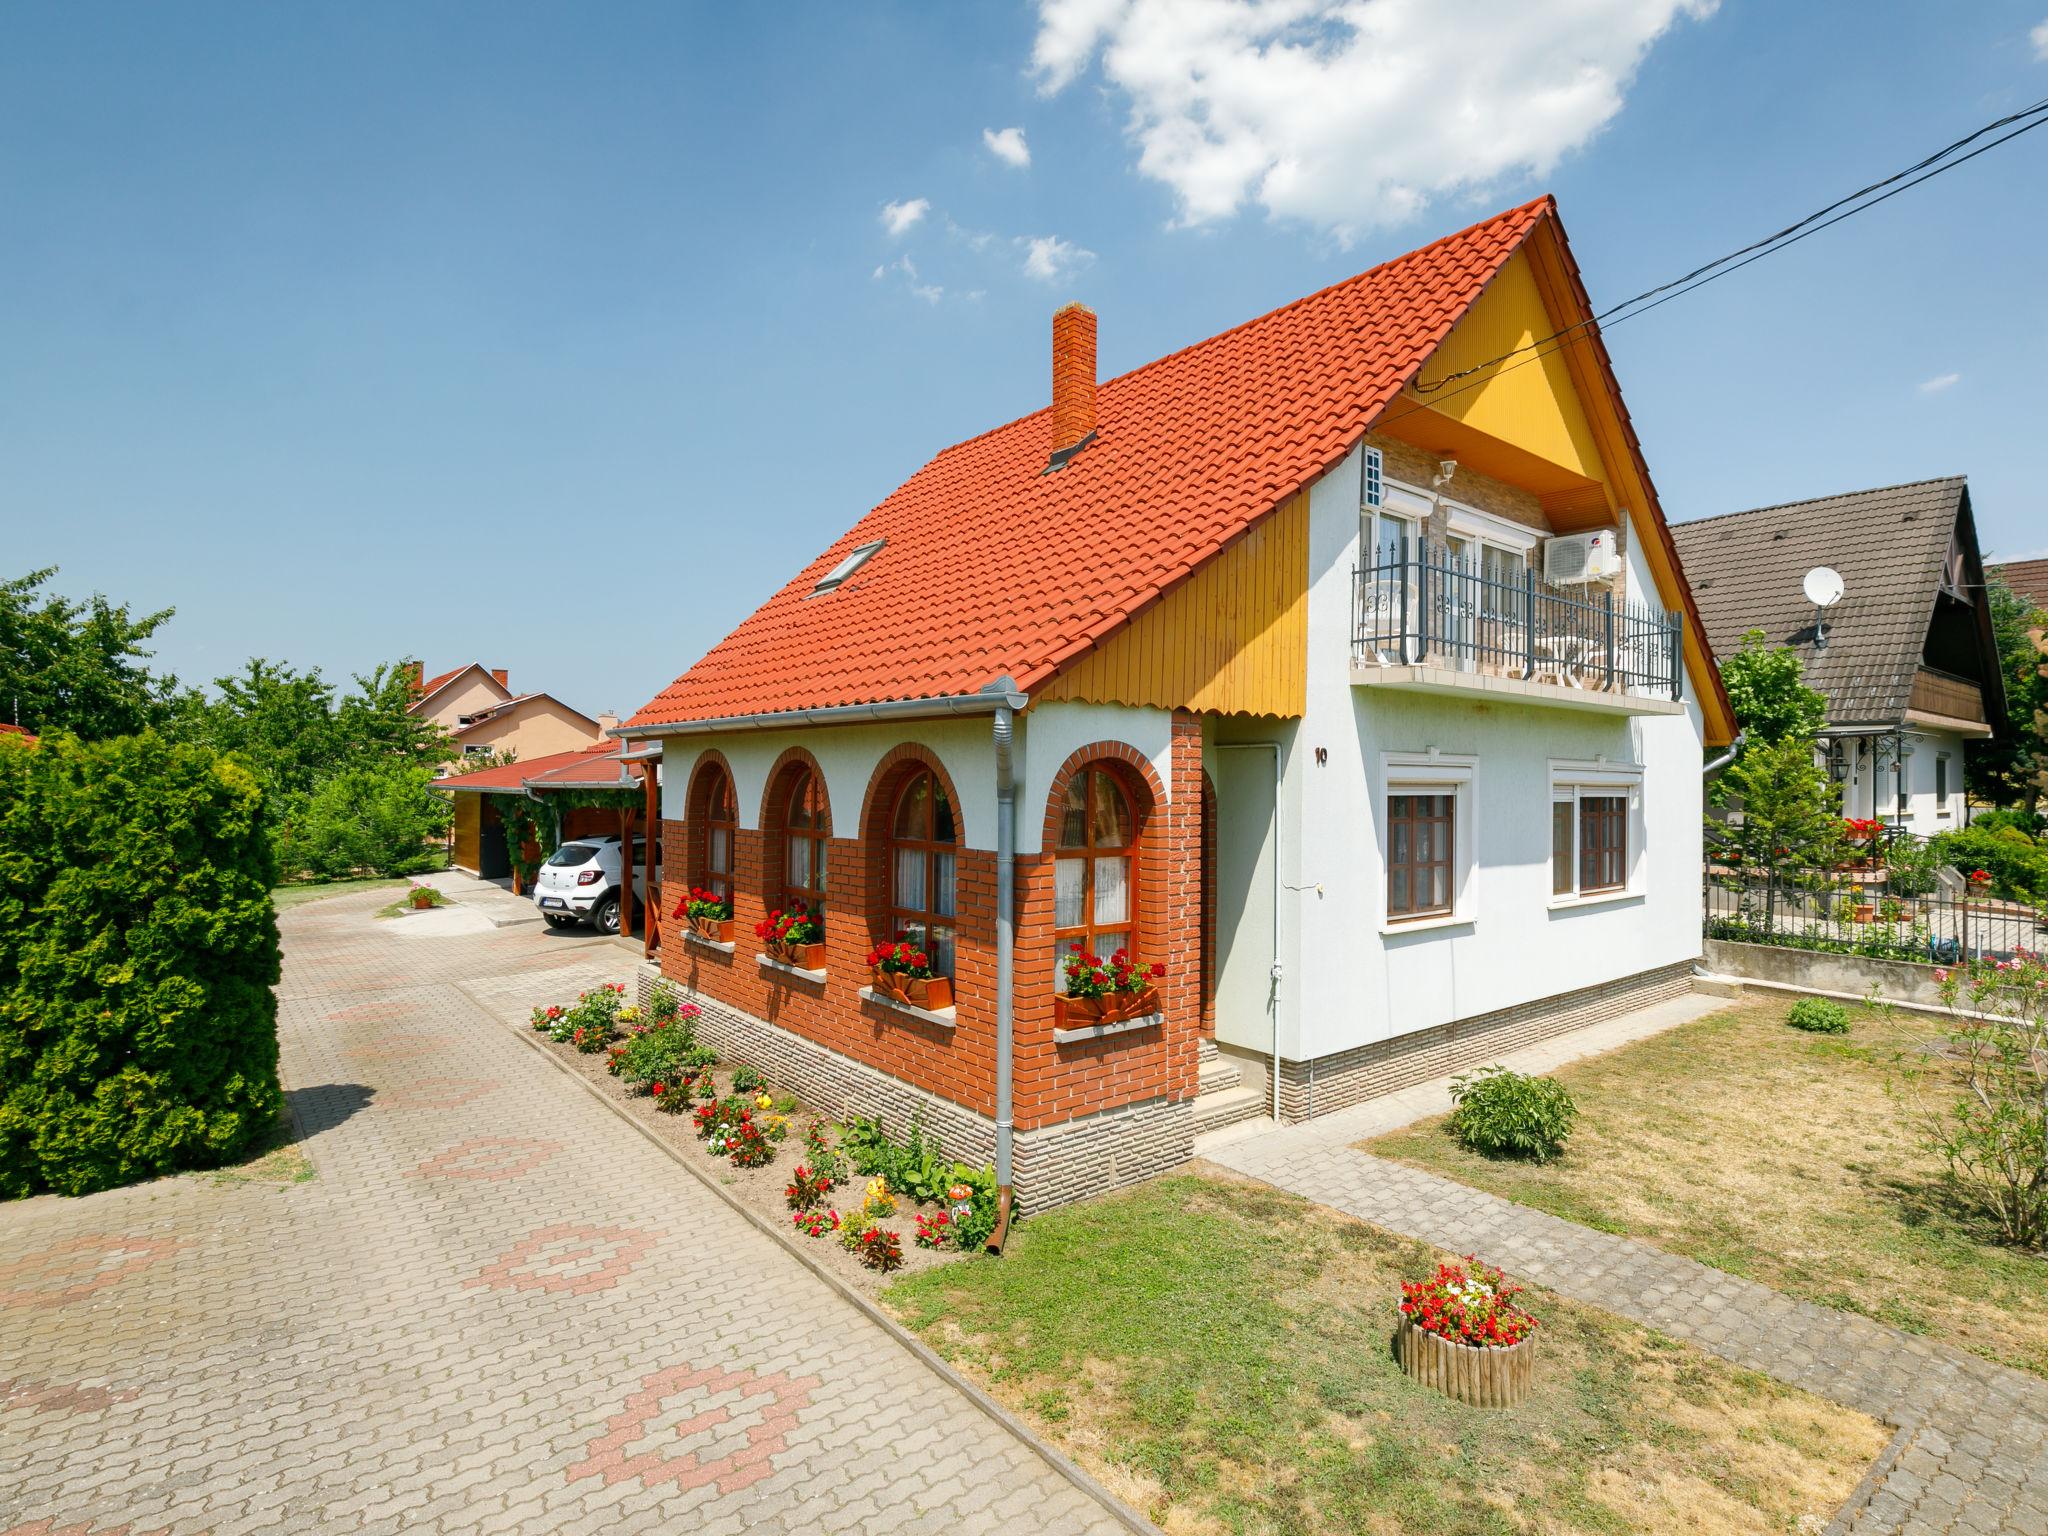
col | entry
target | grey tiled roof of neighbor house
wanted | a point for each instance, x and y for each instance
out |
(1889, 545)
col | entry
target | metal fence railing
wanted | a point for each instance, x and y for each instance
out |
(1420, 603)
(1857, 912)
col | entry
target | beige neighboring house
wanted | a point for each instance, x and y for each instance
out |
(476, 705)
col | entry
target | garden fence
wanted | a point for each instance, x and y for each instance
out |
(1854, 912)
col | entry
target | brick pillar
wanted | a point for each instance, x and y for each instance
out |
(1185, 908)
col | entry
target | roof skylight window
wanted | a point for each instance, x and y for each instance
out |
(848, 566)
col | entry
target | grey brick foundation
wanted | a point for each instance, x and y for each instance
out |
(1345, 1078)
(1055, 1165)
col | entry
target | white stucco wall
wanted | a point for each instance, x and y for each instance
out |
(1871, 788)
(1348, 983)
(1045, 737)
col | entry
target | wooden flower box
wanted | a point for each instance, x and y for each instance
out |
(1485, 1378)
(717, 930)
(931, 993)
(1111, 1008)
(805, 957)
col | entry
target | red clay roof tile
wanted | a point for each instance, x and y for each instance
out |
(993, 567)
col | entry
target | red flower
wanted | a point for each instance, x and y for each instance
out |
(1158, 970)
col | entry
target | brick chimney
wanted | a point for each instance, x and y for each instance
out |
(504, 678)
(1073, 382)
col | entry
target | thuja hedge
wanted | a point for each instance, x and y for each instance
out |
(138, 948)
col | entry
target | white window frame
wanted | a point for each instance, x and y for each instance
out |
(859, 557)
(1431, 773)
(1573, 781)
(1944, 782)
(1372, 480)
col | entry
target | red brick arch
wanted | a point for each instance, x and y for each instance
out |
(896, 765)
(1135, 767)
(1149, 797)
(888, 777)
(774, 815)
(697, 811)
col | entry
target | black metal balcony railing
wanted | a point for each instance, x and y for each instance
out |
(1422, 605)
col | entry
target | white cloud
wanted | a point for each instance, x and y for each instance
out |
(1007, 145)
(1939, 382)
(931, 293)
(1049, 258)
(1351, 114)
(901, 218)
(2039, 38)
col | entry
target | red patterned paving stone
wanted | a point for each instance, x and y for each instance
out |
(57, 1396)
(87, 1263)
(728, 1423)
(369, 1013)
(398, 1047)
(489, 1157)
(433, 1093)
(567, 1257)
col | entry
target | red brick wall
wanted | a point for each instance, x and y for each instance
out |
(1053, 1083)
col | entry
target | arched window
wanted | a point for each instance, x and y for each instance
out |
(721, 820)
(1094, 897)
(806, 826)
(921, 860)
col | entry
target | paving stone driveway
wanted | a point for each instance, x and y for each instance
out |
(495, 1309)
(1972, 1455)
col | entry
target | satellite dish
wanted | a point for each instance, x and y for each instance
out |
(1823, 586)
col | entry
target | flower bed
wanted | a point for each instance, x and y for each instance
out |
(1462, 1333)
(895, 1205)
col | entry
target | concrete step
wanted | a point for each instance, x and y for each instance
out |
(1217, 1074)
(1717, 986)
(1206, 1049)
(1225, 1107)
(1241, 1130)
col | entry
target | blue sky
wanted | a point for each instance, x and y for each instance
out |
(553, 337)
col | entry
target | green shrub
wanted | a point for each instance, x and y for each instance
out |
(381, 820)
(663, 1053)
(919, 1170)
(2029, 823)
(1819, 1016)
(138, 948)
(2018, 866)
(1505, 1114)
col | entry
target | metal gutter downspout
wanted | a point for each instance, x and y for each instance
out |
(1715, 765)
(1006, 935)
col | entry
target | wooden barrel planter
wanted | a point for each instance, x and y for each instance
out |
(1485, 1378)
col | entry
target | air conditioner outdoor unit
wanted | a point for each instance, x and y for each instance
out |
(1580, 557)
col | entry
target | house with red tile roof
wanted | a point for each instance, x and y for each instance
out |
(477, 707)
(1340, 666)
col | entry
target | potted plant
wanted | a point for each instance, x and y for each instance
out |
(795, 935)
(424, 898)
(904, 972)
(1105, 991)
(710, 915)
(1462, 1333)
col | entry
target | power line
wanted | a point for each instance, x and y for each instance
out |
(1925, 169)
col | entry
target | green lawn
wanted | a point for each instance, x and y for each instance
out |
(286, 896)
(1218, 1352)
(1788, 1158)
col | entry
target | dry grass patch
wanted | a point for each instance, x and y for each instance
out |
(1218, 1353)
(1787, 1158)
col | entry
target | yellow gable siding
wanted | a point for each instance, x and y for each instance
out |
(1530, 404)
(1231, 639)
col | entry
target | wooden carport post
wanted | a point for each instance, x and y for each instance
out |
(653, 925)
(626, 863)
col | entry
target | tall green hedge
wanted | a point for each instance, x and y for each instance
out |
(138, 948)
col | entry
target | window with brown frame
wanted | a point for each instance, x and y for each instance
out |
(1094, 888)
(1421, 828)
(721, 821)
(1603, 843)
(806, 828)
(922, 850)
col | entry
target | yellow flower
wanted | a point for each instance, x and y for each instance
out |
(764, 1102)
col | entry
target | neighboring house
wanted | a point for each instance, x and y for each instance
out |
(17, 731)
(2028, 579)
(1243, 660)
(1909, 667)
(476, 705)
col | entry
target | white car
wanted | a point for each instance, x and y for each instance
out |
(581, 882)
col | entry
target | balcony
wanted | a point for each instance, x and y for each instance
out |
(1426, 620)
